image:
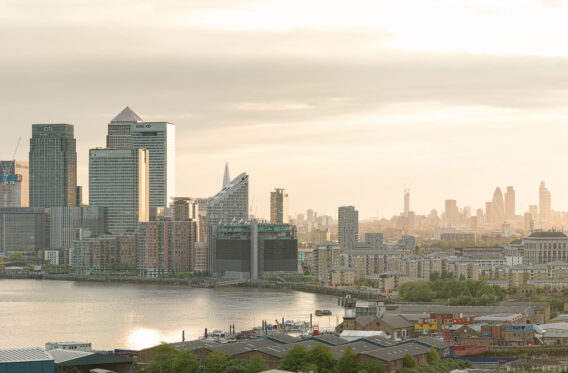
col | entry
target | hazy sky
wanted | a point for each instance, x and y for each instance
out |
(339, 102)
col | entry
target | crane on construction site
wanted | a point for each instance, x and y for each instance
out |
(7, 171)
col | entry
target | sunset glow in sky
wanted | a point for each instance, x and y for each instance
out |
(338, 102)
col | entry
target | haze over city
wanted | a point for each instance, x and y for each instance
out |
(338, 102)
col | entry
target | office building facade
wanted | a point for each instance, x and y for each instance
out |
(229, 206)
(53, 166)
(98, 254)
(128, 131)
(279, 207)
(65, 223)
(252, 250)
(118, 182)
(24, 229)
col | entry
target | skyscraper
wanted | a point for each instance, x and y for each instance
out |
(348, 227)
(118, 181)
(406, 202)
(510, 202)
(53, 166)
(226, 177)
(128, 131)
(279, 206)
(229, 206)
(451, 211)
(498, 206)
(544, 203)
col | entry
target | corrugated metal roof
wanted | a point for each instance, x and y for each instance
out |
(13, 355)
(60, 355)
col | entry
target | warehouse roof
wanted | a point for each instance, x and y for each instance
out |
(14, 355)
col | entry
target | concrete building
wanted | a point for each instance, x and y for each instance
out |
(326, 255)
(53, 166)
(510, 202)
(253, 250)
(451, 211)
(98, 254)
(375, 240)
(229, 206)
(165, 246)
(279, 207)
(15, 184)
(544, 203)
(348, 227)
(544, 247)
(27, 229)
(128, 131)
(199, 257)
(66, 221)
(118, 182)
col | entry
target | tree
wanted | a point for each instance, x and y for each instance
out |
(321, 356)
(409, 362)
(16, 257)
(371, 367)
(434, 276)
(217, 362)
(162, 359)
(235, 369)
(185, 362)
(256, 364)
(433, 356)
(294, 359)
(347, 363)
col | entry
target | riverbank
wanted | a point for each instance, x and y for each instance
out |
(207, 282)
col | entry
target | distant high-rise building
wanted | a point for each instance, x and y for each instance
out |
(310, 215)
(348, 227)
(498, 206)
(226, 177)
(489, 218)
(79, 196)
(406, 202)
(66, 221)
(14, 184)
(533, 209)
(510, 202)
(118, 181)
(544, 203)
(53, 166)
(26, 229)
(128, 131)
(375, 240)
(279, 206)
(451, 211)
(229, 206)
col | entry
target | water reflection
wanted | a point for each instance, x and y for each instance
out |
(134, 316)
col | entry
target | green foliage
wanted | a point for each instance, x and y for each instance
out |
(463, 292)
(217, 362)
(185, 362)
(433, 356)
(409, 362)
(235, 369)
(294, 359)
(556, 304)
(367, 282)
(256, 364)
(347, 363)
(371, 367)
(162, 359)
(321, 356)
(16, 257)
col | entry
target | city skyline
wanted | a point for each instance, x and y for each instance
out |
(389, 100)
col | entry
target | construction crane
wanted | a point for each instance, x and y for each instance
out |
(6, 171)
(279, 326)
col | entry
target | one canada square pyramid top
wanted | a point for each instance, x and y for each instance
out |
(128, 130)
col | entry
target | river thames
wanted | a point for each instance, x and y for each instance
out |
(135, 316)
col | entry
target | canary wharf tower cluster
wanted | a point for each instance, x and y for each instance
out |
(134, 220)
